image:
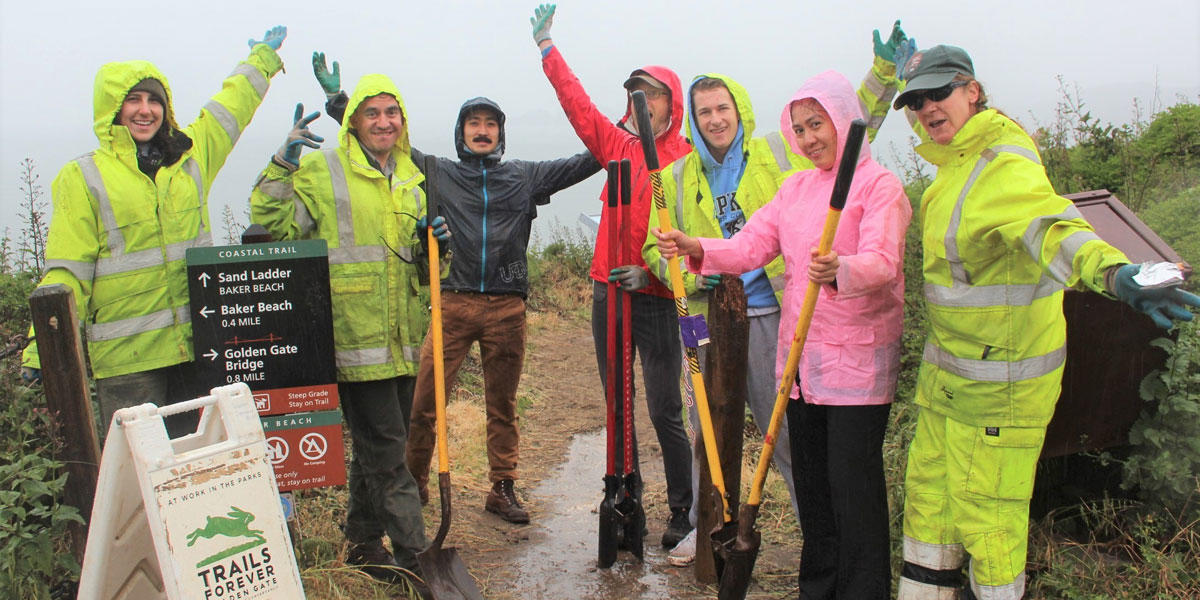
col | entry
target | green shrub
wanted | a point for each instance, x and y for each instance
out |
(33, 522)
(1177, 221)
(559, 278)
(1165, 464)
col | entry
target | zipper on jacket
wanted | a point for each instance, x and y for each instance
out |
(483, 251)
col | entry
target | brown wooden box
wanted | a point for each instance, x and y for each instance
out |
(1108, 350)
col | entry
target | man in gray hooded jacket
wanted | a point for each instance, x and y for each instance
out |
(490, 205)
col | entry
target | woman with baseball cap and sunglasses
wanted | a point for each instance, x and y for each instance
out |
(999, 248)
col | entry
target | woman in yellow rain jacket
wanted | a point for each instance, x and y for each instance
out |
(1000, 246)
(125, 213)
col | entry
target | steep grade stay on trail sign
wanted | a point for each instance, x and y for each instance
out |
(261, 315)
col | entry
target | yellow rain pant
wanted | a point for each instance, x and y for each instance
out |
(967, 494)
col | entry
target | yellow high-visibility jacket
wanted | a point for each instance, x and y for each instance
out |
(117, 238)
(769, 161)
(369, 221)
(1000, 245)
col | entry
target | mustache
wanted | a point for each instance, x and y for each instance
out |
(482, 138)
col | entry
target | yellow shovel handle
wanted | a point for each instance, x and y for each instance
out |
(793, 362)
(693, 360)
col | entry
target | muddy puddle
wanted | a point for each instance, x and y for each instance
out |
(561, 561)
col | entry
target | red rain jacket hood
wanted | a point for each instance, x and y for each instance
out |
(611, 141)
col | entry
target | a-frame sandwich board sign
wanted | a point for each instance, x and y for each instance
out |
(194, 517)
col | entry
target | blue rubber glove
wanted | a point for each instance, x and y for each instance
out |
(707, 282)
(904, 53)
(441, 230)
(630, 277)
(887, 50)
(543, 17)
(31, 375)
(331, 81)
(273, 37)
(1161, 304)
(288, 154)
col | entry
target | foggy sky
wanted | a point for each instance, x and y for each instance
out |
(440, 54)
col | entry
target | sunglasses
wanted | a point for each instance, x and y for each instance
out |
(916, 100)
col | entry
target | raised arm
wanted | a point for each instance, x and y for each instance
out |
(227, 113)
(277, 201)
(596, 131)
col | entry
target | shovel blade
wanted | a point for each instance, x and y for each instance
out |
(723, 537)
(739, 559)
(610, 524)
(444, 572)
(633, 516)
(446, 575)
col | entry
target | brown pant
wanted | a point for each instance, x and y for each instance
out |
(497, 322)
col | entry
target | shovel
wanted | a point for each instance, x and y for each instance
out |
(444, 571)
(610, 521)
(694, 333)
(631, 510)
(739, 562)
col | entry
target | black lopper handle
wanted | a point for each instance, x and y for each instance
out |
(645, 131)
(845, 172)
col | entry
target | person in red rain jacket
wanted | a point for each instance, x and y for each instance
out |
(655, 328)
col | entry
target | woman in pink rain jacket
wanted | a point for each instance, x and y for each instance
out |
(848, 369)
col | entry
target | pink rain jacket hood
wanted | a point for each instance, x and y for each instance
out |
(852, 354)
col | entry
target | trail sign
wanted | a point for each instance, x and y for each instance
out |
(261, 315)
(306, 449)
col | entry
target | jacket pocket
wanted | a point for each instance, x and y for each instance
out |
(360, 312)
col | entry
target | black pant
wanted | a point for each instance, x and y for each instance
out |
(383, 494)
(837, 460)
(656, 338)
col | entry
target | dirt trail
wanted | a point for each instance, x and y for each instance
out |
(562, 457)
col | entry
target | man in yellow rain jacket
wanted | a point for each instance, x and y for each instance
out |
(719, 110)
(125, 213)
(362, 198)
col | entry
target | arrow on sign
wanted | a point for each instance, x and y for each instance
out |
(210, 355)
(203, 279)
(205, 311)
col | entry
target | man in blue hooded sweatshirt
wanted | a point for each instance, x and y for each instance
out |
(490, 205)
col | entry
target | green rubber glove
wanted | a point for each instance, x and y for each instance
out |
(904, 53)
(707, 282)
(1160, 304)
(288, 155)
(887, 50)
(543, 17)
(273, 37)
(331, 81)
(629, 277)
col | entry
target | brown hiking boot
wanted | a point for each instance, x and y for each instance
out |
(502, 500)
(374, 560)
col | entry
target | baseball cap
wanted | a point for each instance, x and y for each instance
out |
(643, 76)
(934, 68)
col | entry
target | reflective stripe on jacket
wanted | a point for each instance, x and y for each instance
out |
(1000, 245)
(369, 222)
(117, 238)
